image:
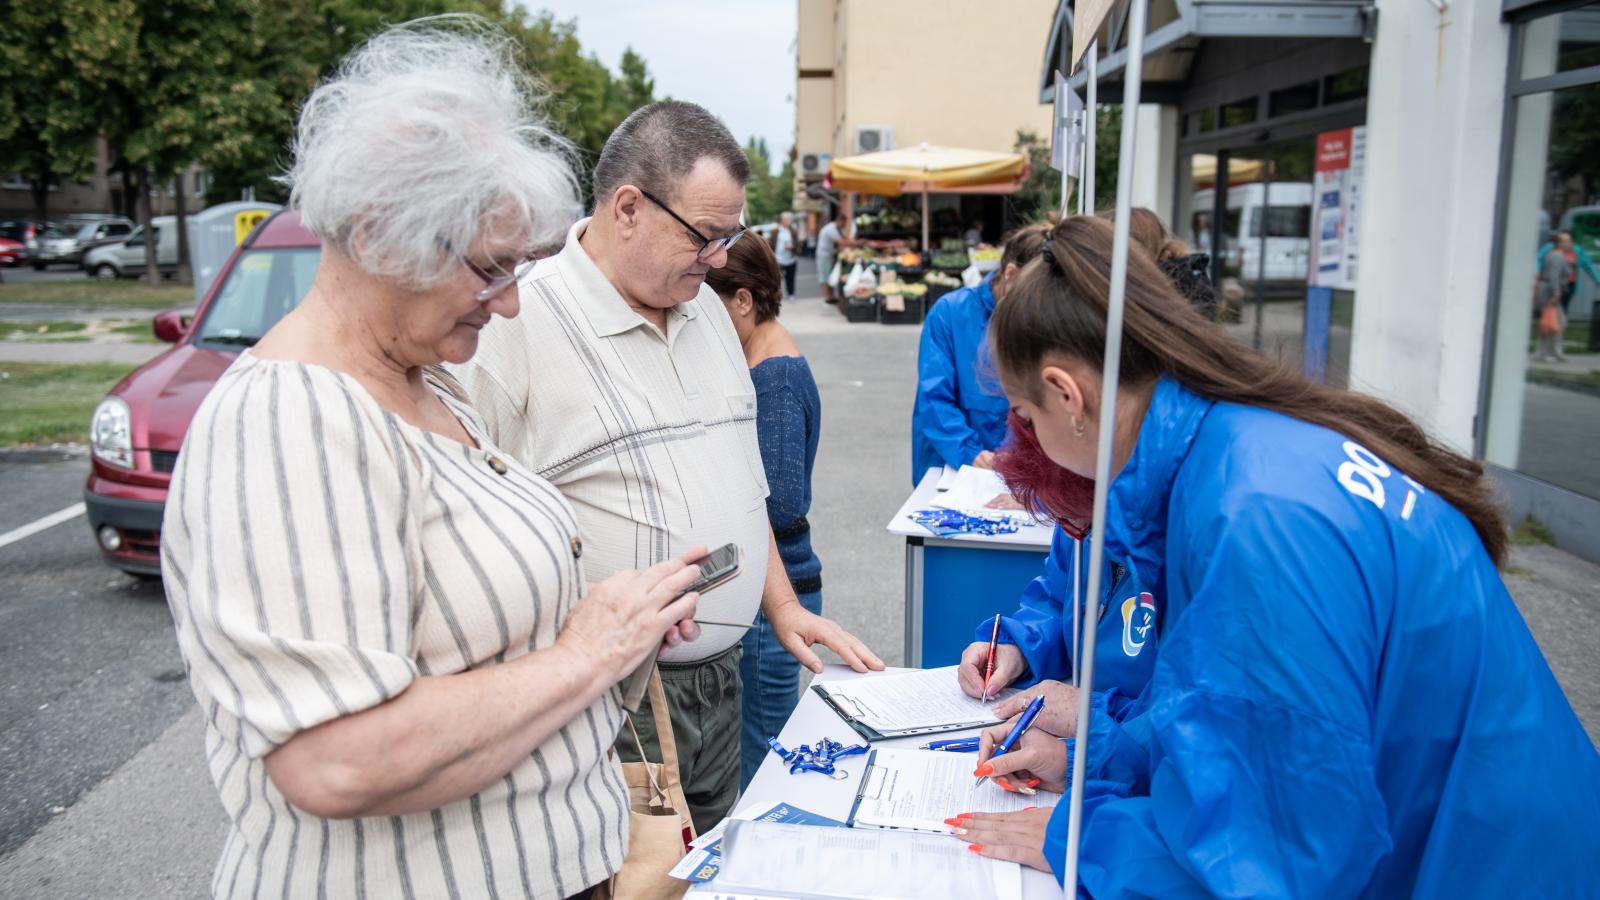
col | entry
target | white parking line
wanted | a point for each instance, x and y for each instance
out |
(38, 525)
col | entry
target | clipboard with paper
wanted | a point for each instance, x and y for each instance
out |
(891, 706)
(916, 790)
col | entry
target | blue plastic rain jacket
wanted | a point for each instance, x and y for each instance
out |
(1346, 702)
(960, 410)
(1125, 642)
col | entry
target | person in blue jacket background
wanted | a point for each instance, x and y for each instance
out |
(1346, 700)
(959, 417)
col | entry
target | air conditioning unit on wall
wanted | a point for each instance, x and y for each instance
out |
(872, 138)
(814, 165)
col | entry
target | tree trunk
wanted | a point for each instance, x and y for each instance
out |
(185, 275)
(152, 268)
(39, 186)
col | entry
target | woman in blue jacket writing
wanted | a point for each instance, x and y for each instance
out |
(1346, 701)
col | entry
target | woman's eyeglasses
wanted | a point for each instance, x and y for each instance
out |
(708, 246)
(496, 284)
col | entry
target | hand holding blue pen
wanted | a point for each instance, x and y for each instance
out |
(1023, 724)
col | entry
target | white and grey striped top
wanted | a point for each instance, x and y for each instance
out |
(319, 554)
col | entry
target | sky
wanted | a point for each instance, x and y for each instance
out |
(734, 57)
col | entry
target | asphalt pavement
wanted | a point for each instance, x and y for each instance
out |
(103, 788)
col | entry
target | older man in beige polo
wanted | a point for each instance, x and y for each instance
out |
(622, 382)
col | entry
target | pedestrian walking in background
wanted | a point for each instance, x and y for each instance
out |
(1578, 260)
(829, 240)
(786, 246)
(1555, 273)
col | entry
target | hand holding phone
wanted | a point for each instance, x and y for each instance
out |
(716, 568)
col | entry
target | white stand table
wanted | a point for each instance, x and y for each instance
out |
(813, 720)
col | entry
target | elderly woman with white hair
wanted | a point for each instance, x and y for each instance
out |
(379, 609)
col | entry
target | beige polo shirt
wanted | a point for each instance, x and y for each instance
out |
(651, 438)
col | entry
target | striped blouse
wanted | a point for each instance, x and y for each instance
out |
(319, 553)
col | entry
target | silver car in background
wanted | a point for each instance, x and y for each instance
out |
(68, 242)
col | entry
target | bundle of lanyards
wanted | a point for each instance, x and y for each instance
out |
(822, 759)
(944, 522)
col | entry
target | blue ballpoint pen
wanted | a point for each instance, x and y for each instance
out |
(1023, 724)
(954, 745)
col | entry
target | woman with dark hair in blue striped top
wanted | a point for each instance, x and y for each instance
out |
(788, 421)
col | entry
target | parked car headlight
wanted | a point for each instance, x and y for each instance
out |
(111, 433)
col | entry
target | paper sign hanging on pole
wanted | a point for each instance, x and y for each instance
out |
(1335, 244)
(1087, 16)
(1066, 138)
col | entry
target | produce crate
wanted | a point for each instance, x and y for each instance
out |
(859, 310)
(916, 308)
(935, 291)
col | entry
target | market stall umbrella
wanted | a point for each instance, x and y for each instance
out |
(924, 169)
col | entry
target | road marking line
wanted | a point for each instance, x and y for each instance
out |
(32, 528)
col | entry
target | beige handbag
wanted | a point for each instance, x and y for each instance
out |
(659, 826)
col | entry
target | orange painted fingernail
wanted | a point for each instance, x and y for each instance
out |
(1034, 782)
(953, 822)
(1026, 808)
(975, 848)
(983, 771)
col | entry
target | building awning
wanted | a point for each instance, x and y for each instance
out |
(928, 169)
(1177, 28)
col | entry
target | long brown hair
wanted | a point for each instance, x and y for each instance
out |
(1057, 305)
(1145, 229)
(751, 266)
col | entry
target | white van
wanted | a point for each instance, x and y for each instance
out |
(126, 258)
(1287, 223)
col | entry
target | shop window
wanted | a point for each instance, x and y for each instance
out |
(1561, 43)
(1544, 390)
(1240, 112)
(1295, 99)
(1206, 120)
(1351, 85)
(1283, 221)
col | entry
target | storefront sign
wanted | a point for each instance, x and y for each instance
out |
(1335, 235)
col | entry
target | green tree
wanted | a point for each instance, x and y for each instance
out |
(766, 195)
(1040, 195)
(57, 58)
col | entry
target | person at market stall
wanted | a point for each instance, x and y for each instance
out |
(408, 690)
(959, 416)
(623, 344)
(1347, 700)
(829, 240)
(788, 425)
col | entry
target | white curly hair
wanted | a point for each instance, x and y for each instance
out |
(428, 136)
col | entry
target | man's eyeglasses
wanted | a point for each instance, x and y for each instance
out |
(496, 284)
(708, 246)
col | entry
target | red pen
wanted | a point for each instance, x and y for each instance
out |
(988, 670)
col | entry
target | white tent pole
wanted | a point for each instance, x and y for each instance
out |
(1132, 81)
(1091, 125)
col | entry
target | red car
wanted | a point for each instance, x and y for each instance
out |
(139, 426)
(11, 252)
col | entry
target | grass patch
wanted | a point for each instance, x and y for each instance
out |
(41, 403)
(1584, 382)
(128, 293)
(26, 330)
(138, 332)
(1531, 531)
